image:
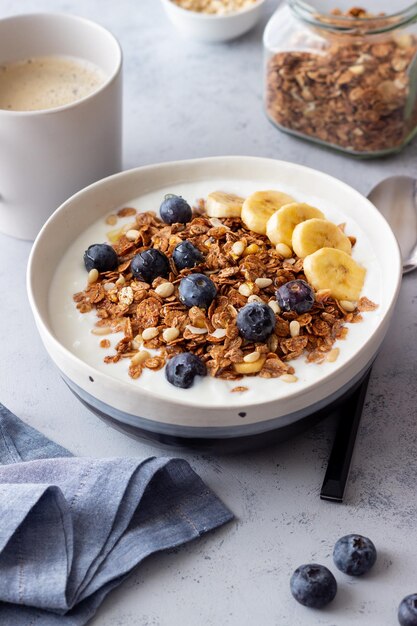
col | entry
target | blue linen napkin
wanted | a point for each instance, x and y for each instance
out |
(71, 529)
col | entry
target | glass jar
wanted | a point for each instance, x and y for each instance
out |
(344, 78)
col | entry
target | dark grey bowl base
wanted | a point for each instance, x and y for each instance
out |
(229, 445)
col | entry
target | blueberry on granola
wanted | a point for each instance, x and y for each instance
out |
(150, 264)
(407, 611)
(354, 554)
(100, 256)
(313, 585)
(186, 254)
(255, 321)
(296, 295)
(181, 370)
(197, 290)
(174, 209)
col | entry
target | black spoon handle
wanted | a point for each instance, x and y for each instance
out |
(337, 472)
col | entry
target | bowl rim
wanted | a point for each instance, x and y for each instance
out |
(199, 15)
(80, 365)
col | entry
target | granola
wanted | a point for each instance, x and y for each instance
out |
(352, 91)
(152, 316)
(215, 7)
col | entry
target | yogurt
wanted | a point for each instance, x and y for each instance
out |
(73, 329)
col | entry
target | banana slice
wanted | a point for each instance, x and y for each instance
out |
(335, 270)
(258, 208)
(222, 204)
(281, 224)
(314, 234)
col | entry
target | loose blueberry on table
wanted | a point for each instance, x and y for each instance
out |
(407, 611)
(296, 295)
(150, 264)
(186, 254)
(354, 554)
(181, 370)
(197, 290)
(100, 256)
(255, 321)
(174, 209)
(313, 585)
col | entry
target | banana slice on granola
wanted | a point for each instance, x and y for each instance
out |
(222, 204)
(315, 233)
(336, 271)
(281, 224)
(258, 208)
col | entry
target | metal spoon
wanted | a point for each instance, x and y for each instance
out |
(396, 198)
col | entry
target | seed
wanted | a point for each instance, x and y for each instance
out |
(137, 342)
(283, 250)
(290, 261)
(273, 304)
(288, 378)
(132, 234)
(238, 248)
(170, 334)
(196, 330)
(332, 355)
(253, 248)
(92, 276)
(149, 333)
(104, 343)
(140, 357)
(249, 368)
(214, 221)
(252, 357)
(109, 286)
(120, 281)
(294, 328)
(273, 343)
(101, 330)
(165, 290)
(357, 69)
(254, 298)
(219, 333)
(263, 282)
(321, 294)
(245, 290)
(126, 296)
(347, 305)
(111, 220)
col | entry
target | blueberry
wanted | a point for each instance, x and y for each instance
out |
(181, 370)
(197, 290)
(186, 255)
(255, 321)
(150, 264)
(174, 209)
(407, 611)
(354, 555)
(313, 585)
(296, 295)
(100, 256)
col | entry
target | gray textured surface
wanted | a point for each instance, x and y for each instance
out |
(186, 100)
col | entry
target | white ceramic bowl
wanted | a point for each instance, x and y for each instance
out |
(209, 409)
(213, 28)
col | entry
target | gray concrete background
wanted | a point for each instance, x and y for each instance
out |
(185, 100)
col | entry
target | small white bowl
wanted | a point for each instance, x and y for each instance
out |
(213, 28)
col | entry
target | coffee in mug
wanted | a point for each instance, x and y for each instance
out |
(47, 82)
(60, 128)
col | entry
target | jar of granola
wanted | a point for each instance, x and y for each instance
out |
(343, 78)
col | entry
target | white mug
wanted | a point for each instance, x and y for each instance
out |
(47, 155)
